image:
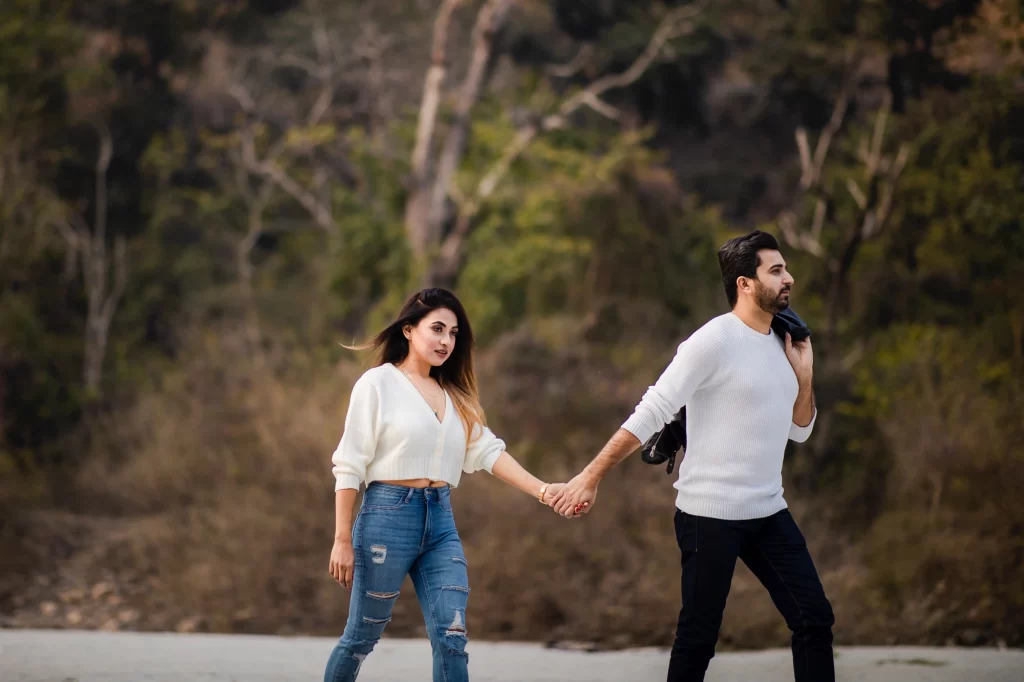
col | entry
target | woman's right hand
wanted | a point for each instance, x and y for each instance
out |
(343, 559)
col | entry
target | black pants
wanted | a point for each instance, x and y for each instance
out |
(775, 551)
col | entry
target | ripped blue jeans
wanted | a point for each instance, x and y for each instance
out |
(406, 531)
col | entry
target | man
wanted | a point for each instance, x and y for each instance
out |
(745, 394)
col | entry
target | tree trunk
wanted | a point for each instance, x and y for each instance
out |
(417, 207)
(427, 208)
(102, 295)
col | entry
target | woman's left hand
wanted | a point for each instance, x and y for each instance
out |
(549, 492)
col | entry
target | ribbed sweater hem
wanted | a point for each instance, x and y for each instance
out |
(729, 510)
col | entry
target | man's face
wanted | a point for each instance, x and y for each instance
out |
(771, 288)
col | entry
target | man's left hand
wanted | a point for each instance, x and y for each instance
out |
(801, 357)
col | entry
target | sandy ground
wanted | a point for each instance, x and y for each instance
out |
(75, 656)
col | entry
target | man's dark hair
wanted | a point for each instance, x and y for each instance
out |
(738, 258)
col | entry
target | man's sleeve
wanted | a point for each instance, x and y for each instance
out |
(695, 362)
(799, 434)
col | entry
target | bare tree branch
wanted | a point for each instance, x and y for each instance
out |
(120, 281)
(856, 193)
(811, 168)
(676, 23)
(787, 222)
(319, 210)
(878, 137)
(269, 167)
(889, 189)
(574, 66)
(803, 145)
(602, 107)
(812, 163)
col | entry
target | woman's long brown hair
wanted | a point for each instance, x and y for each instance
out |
(456, 374)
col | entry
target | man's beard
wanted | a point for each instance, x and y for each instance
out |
(769, 301)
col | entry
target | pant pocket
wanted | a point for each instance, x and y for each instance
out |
(686, 532)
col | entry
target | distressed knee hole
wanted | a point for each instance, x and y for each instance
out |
(457, 628)
(376, 621)
(380, 553)
(382, 596)
(460, 560)
(361, 648)
(456, 588)
(358, 658)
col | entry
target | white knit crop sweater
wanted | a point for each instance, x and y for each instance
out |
(392, 434)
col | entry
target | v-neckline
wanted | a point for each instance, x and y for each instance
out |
(419, 394)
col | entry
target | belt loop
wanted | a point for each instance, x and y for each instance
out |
(408, 495)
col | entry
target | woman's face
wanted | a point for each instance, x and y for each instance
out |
(433, 339)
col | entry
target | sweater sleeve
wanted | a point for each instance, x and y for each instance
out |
(799, 434)
(483, 451)
(359, 440)
(695, 362)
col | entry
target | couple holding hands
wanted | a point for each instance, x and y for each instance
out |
(414, 425)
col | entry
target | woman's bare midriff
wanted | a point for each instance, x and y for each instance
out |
(418, 483)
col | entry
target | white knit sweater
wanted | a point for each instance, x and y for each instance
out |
(392, 434)
(739, 390)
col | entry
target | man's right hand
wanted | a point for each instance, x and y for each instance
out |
(343, 559)
(577, 496)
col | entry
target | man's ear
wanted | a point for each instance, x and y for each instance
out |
(743, 284)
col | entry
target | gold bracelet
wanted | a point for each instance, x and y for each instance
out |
(540, 495)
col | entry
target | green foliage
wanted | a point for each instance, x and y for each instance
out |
(964, 204)
(372, 262)
(37, 44)
(584, 216)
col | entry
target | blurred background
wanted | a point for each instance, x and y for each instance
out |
(200, 200)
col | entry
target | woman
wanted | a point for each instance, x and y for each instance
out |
(414, 424)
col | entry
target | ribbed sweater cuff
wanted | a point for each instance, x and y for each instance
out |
(487, 463)
(642, 424)
(346, 481)
(800, 434)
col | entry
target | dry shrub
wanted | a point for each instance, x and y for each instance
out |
(223, 478)
(944, 555)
